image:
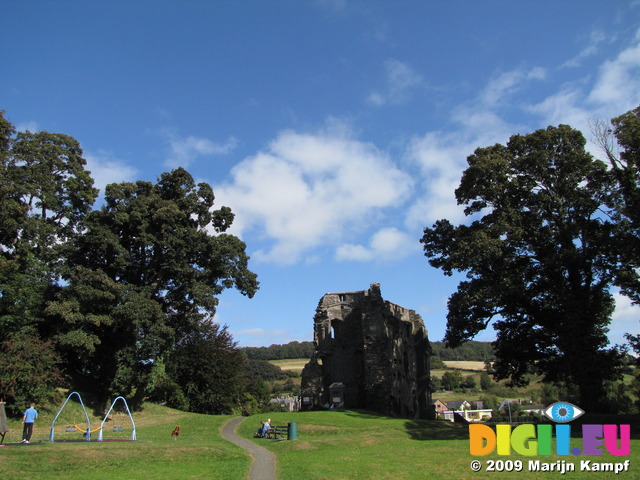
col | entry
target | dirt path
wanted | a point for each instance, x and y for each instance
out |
(263, 466)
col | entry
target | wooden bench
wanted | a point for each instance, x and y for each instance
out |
(279, 431)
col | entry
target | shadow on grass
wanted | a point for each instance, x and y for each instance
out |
(436, 430)
(420, 429)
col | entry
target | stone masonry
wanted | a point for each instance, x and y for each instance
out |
(370, 354)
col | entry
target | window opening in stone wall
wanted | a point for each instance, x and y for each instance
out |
(336, 327)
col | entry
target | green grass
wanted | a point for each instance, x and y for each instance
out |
(199, 453)
(330, 445)
(359, 445)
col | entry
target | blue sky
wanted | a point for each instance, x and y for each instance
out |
(336, 130)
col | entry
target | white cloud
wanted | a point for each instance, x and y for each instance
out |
(613, 90)
(106, 169)
(595, 39)
(386, 244)
(183, 151)
(441, 155)
(442, 159)
(618, 83)
(504, 85)
(566, 107)
(400, 80)
(307, 190)
(310, 190)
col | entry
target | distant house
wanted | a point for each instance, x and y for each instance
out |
(478, 415)
(291, 404)
(440, 406)
(458, 405)
(464, 409)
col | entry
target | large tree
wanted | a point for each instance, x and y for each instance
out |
(45, 193)
(539, 259)
(148, 271)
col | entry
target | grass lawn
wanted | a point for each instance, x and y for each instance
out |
(358, 445)
(330, 445)
(199, 453)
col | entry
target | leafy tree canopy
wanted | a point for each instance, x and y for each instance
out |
(210, 369)
(31, 371)
(469, 351)
(539, 257)
(148, 271)
(280, 352)
(45, 193)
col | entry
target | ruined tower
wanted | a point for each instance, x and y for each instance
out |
(371, 354)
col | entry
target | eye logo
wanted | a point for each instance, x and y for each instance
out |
(563, 412)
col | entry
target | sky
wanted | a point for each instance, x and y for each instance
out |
(336, 130)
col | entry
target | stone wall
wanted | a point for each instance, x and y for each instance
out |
(377, 350)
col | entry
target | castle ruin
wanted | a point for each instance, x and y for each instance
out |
(369, 354)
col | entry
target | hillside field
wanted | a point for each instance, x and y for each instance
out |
(465, 365)
(297, 364)
(294, 364)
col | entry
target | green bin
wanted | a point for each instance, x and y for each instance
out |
(293, 431)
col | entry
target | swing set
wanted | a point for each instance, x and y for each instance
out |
(87, 433)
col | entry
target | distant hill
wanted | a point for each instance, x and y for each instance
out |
(280, 352)
(470, 351)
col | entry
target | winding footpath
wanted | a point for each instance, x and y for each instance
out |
(263, 466)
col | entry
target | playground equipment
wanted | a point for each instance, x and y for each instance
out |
(119, 429)
(87, 433)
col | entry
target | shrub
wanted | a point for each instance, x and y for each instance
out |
(30, 372)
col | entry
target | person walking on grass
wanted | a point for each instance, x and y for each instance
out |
(29, 417)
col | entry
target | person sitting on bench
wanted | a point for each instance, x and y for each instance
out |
(266, 426)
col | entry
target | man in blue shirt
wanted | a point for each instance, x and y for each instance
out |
(30, 415)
